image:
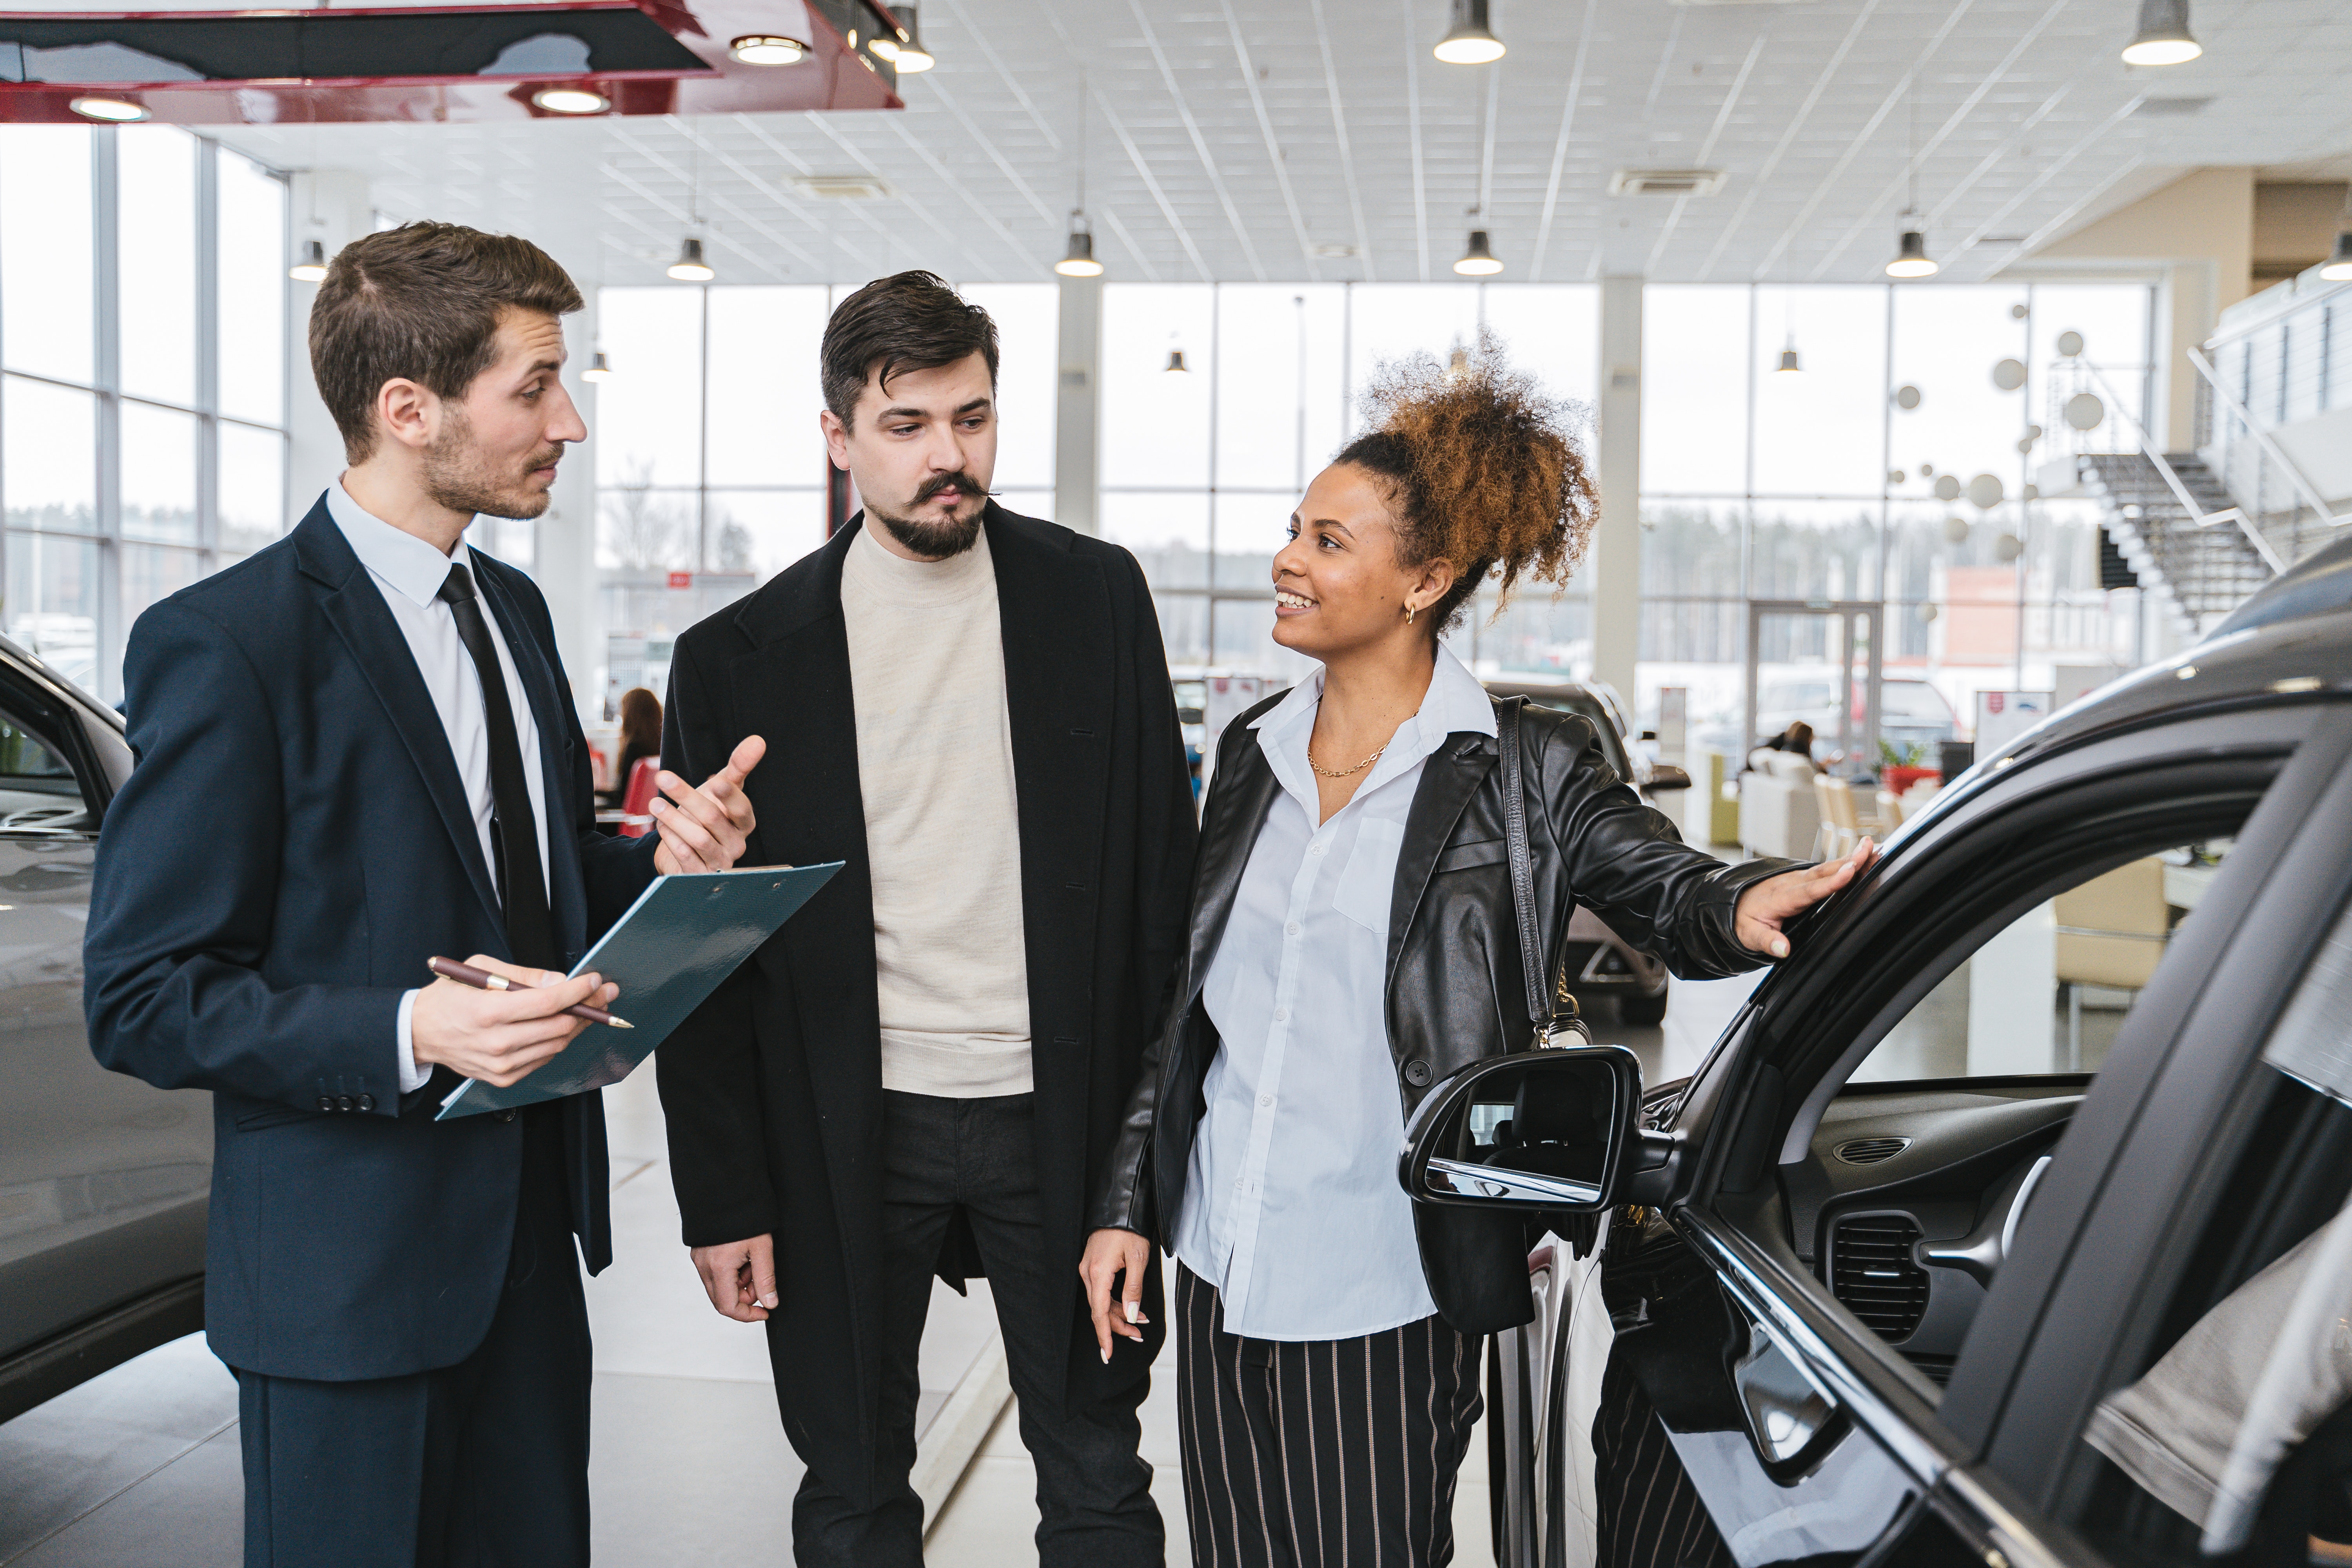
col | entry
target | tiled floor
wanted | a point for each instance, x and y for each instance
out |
(140, 1466)
(690, 1465)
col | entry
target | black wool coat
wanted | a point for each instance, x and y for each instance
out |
(773, 1091)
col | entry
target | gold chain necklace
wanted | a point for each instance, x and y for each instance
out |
(1341, 772)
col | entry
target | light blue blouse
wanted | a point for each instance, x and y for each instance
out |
(1292, 1209)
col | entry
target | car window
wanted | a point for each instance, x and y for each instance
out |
(1782, 694)
(2049, 992)
(1912, 699)
(2235, 1441)
(38, 788)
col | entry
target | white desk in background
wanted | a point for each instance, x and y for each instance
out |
(2184, 885)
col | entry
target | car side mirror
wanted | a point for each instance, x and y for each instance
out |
(1666, 775)
(1539, 1129)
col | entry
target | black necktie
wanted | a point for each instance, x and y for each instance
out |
(530, 931)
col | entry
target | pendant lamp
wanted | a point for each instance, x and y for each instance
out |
(689, 267)
(1470, 42)
(1478, 261)
(1911, 259)
(2163, 38)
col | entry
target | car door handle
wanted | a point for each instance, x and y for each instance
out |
(1981, 1253)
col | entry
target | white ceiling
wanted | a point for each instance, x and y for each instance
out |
(1244, 140)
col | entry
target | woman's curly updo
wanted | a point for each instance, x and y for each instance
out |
(1484, 470)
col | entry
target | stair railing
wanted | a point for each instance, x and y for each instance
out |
(2267, 447)
(2180, 492)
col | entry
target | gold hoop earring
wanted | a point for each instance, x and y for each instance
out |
(1408, 614)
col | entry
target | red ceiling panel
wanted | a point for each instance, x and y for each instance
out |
(413, 65)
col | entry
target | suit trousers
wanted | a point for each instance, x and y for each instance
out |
(1314, 1454)
(1093, 1490)
(479, 1465)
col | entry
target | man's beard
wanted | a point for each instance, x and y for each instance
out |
(456, 477)
(948, 537)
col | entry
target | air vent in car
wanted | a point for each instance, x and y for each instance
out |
(1873, 1273)
(1870, 1151)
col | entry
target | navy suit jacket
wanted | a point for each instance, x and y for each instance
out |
(292, 846)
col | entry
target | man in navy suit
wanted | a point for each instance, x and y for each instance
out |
(357, 751)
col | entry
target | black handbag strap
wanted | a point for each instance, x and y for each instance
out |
(1542, 1011)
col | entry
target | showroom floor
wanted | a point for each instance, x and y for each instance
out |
(691, 1465)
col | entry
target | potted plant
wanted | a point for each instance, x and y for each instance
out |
(1900, 768)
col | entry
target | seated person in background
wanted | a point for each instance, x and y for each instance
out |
(641, 724)
(1796, 740)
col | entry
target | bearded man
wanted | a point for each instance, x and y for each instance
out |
(357, 751)
(924, 1071)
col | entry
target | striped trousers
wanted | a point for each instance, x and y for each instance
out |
(1320, 1454)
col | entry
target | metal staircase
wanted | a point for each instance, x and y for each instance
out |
(2198, 566)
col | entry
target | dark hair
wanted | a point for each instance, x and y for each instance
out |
(421, 302)
(1800, 736)
(1484, 470)
(909, 321)
(641, 720)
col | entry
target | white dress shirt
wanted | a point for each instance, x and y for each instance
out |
(1292, 1209)
(409, 574)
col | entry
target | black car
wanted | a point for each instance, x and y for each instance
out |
(2001, 1224)
(1601, 965)
(103, 1180)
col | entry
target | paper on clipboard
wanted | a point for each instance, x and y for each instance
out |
(684, 936)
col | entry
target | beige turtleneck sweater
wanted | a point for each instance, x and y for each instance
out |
(935, 766)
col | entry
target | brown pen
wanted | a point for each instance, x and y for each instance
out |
(483, 980)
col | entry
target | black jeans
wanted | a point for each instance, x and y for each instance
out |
(1094, 1491)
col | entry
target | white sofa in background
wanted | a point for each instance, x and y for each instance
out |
(1778, 812)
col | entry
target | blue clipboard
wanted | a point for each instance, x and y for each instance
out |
(682, 937)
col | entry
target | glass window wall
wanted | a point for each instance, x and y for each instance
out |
(710, 463)
(1820, 484)
(1203, 465)
(142, 376)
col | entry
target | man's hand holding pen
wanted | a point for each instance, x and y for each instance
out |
(501, 1037)
(704, 829)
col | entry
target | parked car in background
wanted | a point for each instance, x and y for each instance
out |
(1601, 965)
(1910, 713)
(1984, 1228)
(103, 1180)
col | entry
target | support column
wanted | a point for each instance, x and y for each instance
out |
(1614, 567)
(1077, 406)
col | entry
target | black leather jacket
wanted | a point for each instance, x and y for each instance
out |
(1455, 986)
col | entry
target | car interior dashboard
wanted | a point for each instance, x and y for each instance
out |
(1909, 1197)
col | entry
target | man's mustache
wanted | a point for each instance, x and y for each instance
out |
(958, 480)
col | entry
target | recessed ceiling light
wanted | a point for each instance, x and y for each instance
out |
(768, 49)
(571, 100)
(1334, 252)
(842, 187)
(113, 111)
(1666, 181)
(906, 50)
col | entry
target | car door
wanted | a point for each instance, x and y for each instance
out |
(2124, 1379)
(1891, 1117)
(103, 1179)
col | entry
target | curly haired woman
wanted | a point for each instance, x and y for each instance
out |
(1353, 941)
